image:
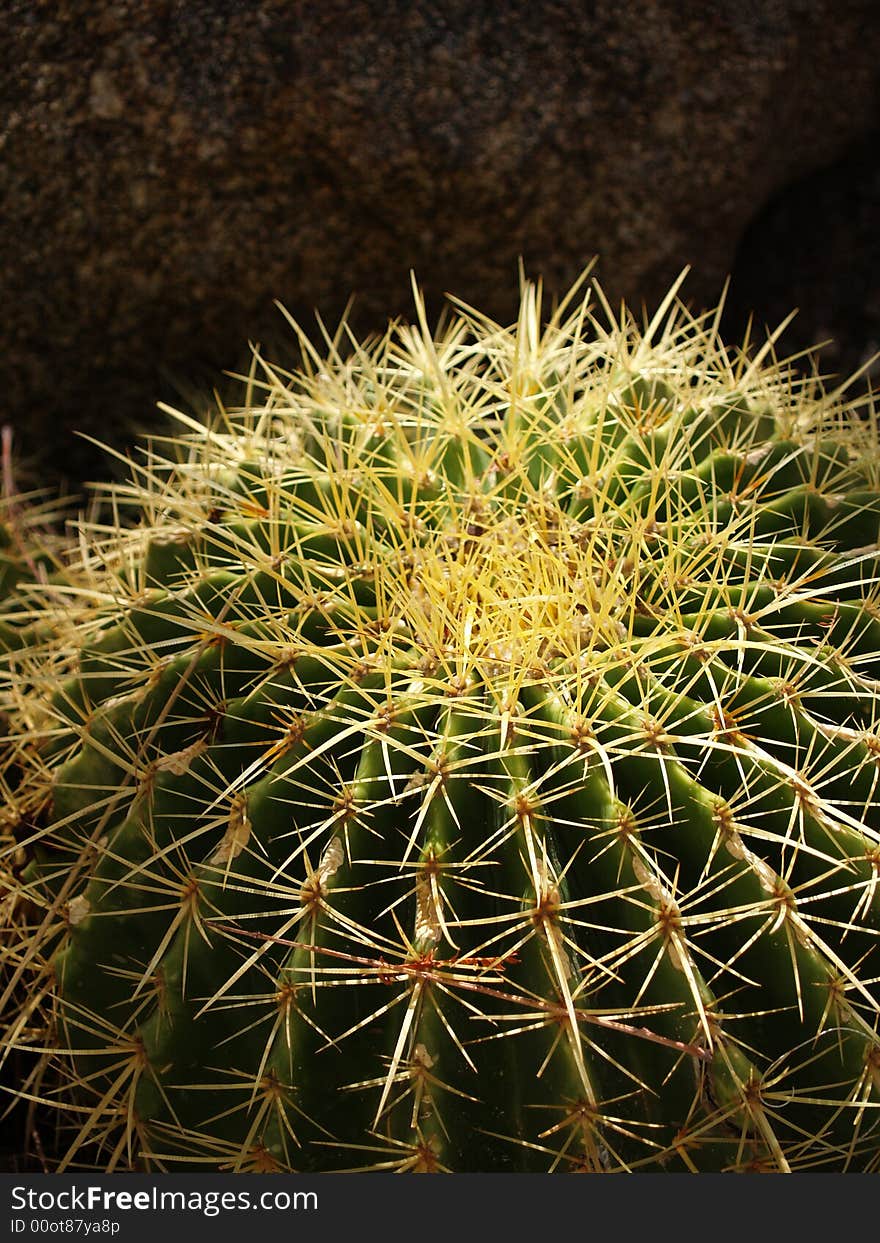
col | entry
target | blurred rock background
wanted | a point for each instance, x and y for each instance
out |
(169, 167)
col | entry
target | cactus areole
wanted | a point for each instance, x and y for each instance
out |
(466, 758)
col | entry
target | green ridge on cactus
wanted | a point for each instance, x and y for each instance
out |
(465, 756)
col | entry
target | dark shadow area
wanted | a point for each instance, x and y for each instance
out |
(816, 247)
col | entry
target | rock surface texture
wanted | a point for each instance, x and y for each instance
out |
(170, 168)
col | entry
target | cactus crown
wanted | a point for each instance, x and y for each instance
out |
(467, 758)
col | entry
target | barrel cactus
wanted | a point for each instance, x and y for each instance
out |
(464, 756)
(32, 554)
(31, 549)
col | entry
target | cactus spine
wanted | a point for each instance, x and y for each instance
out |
(467, 759)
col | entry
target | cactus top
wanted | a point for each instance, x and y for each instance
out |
(467, 758)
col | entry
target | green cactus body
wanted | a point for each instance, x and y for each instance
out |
(30, 553)
(32, 576)
(469, 761)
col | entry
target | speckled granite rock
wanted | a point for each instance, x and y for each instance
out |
(170, 167)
